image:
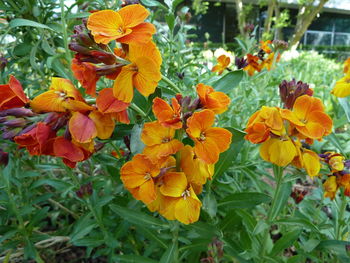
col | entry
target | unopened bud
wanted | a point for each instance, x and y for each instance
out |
(74, 46)
(4, 157)
(17, 112)
(85, 190)
(18, 122)
(241, 62)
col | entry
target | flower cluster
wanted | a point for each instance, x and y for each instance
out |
(340, 174)
(266, 57)
(168, 175)
(60, 121)
(342, 87)
(286, 133)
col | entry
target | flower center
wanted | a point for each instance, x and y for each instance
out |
(120, 30)
(147, 176)
(186, 194)
(201, 137)
(166, 139)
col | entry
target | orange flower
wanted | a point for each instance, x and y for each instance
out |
(308, 117)
(330, 186)
(268, 62)
(196, 170)
(159, 140)
(262, 122)
(209, 141)
(213, 100)
(138, 176)
(265, 45)
(180, 201)
(125, 26)
(253, 64)
(143, 72)
(223, 62)
(342, 87)
(168, 116)
(85, 127)
(106, 103)
(38, 141)
(279, 151)
(60, 97)
(86, 74)
(12, 95)
(345, 182)
(69, 152)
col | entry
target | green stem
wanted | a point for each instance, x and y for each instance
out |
(175, 232)
(171, 84)
(64, 31)
(341, 216)
(137, 109)
(278, 174)
(98, 219)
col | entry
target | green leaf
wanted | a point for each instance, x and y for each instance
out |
(153, 235)
(345, 105)
(138, 218)
(170, 19)
(281, 199)
(227, 157)
(336, 246)
(132, 259)
(32, 56)
(170, 255)
(210, 204)
(285, 241)
(229, 81)
(152, 3)
(176, 3)
(298, 222)
(334, 140)
(25, 22)
(244, 200)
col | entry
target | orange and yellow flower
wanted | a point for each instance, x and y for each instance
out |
(125, 26)
(143, 72)
(196, 170)
(280, 151)
(253, 64)
(223, 63)
(12, 95)
(168, 116)
(209, 141)
(342, 87)
(159, 140)
(309, 118)
(213, 100)
(265, 46)
(138, 176)
(263, 122)
(60, 97)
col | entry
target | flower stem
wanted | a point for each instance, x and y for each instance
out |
(64, 31)
(341, 216)
(171, 84)
(278, 174)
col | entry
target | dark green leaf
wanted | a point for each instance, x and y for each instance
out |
(25, 22)
(229, 81)
(133, 259)
(138, 218)
(285, 241)
(298, 222)
(281, 199)
(244, 200)
(170, 255)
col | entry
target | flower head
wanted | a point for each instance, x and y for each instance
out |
(125, 26)
(209, 141)
(213, 100)
(12, 95)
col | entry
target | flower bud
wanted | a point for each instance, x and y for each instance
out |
(290, 91)
(85, 190)
(240, 62)
(17, 122)
(17, 112)
(4, 157)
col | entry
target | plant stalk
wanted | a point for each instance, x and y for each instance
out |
(278, 174)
